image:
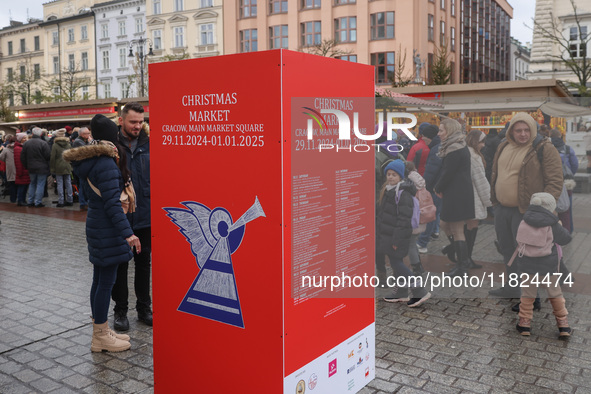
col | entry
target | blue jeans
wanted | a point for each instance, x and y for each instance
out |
(103, 280)
(64, 180)
(432, 227)
(36, 188)
(21, 193)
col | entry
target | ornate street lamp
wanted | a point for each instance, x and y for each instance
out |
(140, 49)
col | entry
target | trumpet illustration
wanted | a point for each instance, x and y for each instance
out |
(213, 237)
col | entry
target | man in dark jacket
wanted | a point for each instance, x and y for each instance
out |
(35, 158)
(491, 143)
(135, 140)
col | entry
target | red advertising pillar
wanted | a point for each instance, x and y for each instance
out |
(245, 205)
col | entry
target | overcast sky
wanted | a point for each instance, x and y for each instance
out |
(523, 11)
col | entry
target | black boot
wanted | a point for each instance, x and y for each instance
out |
(449, 249)
(471, 240)
(418, 269)
(461, 249)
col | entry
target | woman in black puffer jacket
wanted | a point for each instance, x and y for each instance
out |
(455, 188)
(108, 233)
(393, 232)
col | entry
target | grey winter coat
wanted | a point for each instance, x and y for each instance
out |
(480, 185)
(7, 156)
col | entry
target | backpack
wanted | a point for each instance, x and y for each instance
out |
(533, 241)
(428, 210)
(416, 210)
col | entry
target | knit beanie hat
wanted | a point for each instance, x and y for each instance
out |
(20, 136)
(430, 131)
(544, 200)
(422, 127)
(396, 166)
(103, 128)
(60, 133)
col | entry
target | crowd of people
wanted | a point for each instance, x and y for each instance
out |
(522, 176)
(108, 164)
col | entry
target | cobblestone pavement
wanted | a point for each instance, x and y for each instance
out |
(449, 345)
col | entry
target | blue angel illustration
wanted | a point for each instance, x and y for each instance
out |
(213, 237)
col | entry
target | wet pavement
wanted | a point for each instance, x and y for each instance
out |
(448, 345)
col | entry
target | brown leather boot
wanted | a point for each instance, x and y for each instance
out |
(104, 340)
(524, 326)
(123, 337)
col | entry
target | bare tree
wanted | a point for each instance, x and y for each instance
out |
(6, 114)
(400, 79)
(441, 66)
(27, 83)
(66, 85)
(572, 49)
(327, 48)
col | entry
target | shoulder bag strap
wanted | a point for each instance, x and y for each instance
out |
(93, 187)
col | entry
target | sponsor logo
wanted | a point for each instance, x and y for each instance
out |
(351, 354)
(367, 356)
(301, 387)
(351, 384)
(360, 347)
(332, 367)
(360, 361)
(313, 381)
(351, 369)
(367, 372)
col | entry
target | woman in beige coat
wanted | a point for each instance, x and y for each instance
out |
(475, 142)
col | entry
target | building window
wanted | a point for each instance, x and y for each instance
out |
(106, 62)
(107, 89)
(179, 37)
(157, 38)
(56, 65)
(349, 58)
(345, 29)
(11, 99)
(178, 5)
(23, 98)
(384, 66)
(85, 92)
(84, 32)
(382, 25)
(56, 91)
(37, 71)
(124, 89)
(278, 6)
(9, 47)
(71, 35)
(442, 4)
(578, 44)
(9, 74)
(122, 57)
(442, 41)
(278, 37)
(310, 4)
(206, 34)
(311, 33)
(139, 25)
(37, 44)
(23, 46)
(121, 29)
(157, 8)
(23, 70)
(452, 39)
(54, 38)
(452, 5)
(104, 30)
(84, 60)
(206, 3)
(71, 62)
(248, 8)
(248, 40)
(339, 2)
(430, 27)
(38, 97)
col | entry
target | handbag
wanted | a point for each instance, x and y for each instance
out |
(563, 202)
(127, 197)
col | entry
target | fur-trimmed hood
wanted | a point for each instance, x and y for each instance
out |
(88, 151)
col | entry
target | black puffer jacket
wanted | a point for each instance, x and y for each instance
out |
(537, 216)
(455, 184)
(394, 221)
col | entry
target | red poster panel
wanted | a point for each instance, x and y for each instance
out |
(323, 323)
(217, 223)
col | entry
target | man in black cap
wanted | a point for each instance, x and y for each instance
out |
(136, 144)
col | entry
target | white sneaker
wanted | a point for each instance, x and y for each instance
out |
(421, 249)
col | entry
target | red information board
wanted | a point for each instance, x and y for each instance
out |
(230, 193)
